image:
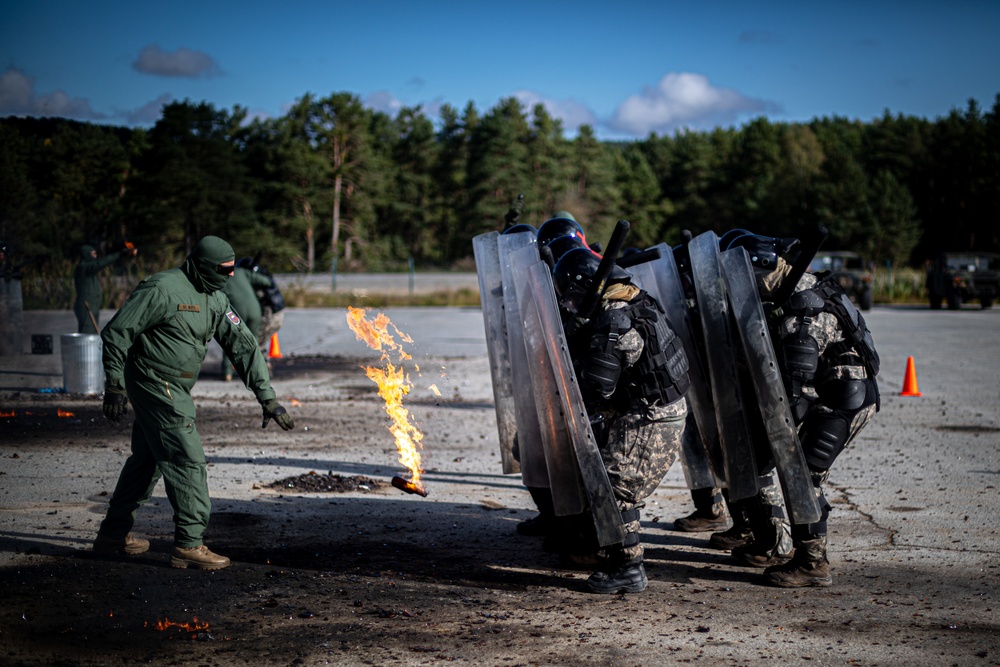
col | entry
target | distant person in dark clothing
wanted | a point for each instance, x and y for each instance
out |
(89, 296)
(242, 292)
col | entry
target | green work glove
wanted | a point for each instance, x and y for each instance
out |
(273, 410)
(115, 401)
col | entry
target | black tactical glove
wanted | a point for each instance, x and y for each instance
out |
(115, 401)
(273, 410)
(515, 210)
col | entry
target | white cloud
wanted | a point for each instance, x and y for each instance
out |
(679, 100)
(384, 101)
(19, 98)
(573, 114)
(180, 63)
(148, 113)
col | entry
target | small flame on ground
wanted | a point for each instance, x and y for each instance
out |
(194, 626)
(393, 383)
(28, 413)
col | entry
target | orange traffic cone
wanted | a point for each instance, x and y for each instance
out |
(275, 351)
(910, 381)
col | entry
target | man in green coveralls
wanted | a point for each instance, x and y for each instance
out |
(88, 287)
(153, 351)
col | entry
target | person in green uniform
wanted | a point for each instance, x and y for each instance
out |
(241, 291)
(89, 296)
(154, 347)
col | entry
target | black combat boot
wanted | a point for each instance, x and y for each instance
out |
(808, 567)
(541, 524)
(622, 570)
(628, 578)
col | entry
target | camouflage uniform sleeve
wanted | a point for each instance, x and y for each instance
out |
(146, 307)
(630, 343)
(241, 347)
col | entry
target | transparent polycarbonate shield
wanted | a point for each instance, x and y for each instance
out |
(751, 325)
(720, 344)
(531, 430)
(543, 327)
(487, 256)
(704, 468)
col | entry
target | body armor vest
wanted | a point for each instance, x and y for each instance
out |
(857, 337)
(661, 373)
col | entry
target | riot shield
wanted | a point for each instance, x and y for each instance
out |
(487, 256)
(561, 406)
(720, 353)
(751, 325)
(515, 258)
(701, 456)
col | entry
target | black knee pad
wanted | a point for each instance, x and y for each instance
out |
(823, 439)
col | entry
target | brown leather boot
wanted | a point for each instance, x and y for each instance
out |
(700, 522)
(130, 545)
(727, 540)
(771, 545)
(809, 567)
(200, 558)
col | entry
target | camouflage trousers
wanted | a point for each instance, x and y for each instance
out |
(640, 448)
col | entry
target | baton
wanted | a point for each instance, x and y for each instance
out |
(605, 268)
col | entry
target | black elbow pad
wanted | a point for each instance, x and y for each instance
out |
(800, 356)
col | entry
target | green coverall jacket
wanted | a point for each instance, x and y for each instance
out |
(155, 345)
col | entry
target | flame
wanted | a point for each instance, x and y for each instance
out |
(194, 626)
(393, 383)
(8, 414)
(64, 413)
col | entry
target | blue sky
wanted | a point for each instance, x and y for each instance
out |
(627, 68)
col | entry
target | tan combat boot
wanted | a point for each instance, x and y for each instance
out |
(808, 567)
(199, 558)
(129, 545)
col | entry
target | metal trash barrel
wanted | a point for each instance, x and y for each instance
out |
(83, 370)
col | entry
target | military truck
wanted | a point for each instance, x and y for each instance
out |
(850, 270)
(955, 278)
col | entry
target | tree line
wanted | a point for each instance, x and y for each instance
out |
(332, 181)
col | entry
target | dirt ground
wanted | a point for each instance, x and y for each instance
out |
(363, 574)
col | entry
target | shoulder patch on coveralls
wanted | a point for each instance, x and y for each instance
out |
(234, 318)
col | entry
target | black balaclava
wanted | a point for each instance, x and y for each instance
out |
(86, 250)
(200, 265)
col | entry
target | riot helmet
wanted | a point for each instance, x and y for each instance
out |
(553, 228)
(764, 251)
(728, 237)
(563, 244)
(574, 274)
(520, 227)
(564, 214)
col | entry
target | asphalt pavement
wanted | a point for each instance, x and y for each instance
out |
(915, 542)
